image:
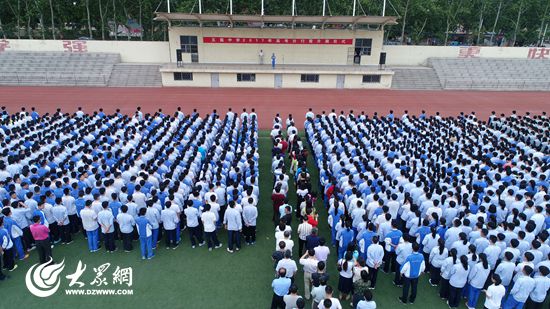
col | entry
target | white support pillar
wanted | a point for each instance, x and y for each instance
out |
(168, 5)
(230, 7)
(262, 7)
(324, 6)
(200, 6)
(354, 5)
(384, 9)
(293, 7)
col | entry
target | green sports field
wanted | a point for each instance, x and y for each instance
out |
(194, 278)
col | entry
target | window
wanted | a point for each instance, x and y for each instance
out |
(246, 77)
(363, 46)
(188, 44)
(371, 78)
(183, 76)
(310, 78)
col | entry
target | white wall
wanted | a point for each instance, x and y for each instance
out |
(159, 52)
(418, 55)
(130, 51)
(267, 80)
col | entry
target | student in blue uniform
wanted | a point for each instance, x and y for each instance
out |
(411, 269)
(145, 232)
(7, 247)
(16, 233)
(393, 238)
(346, 238)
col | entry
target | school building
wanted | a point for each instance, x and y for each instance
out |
(214, 50)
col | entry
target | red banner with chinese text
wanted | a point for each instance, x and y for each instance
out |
(236, 40)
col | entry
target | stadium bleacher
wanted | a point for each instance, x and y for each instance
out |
(492, 74)
(56, 68)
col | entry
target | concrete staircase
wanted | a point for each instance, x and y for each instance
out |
(415, 78)
(135, 75)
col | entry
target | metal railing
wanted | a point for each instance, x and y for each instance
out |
(495, 84)
(53, 78)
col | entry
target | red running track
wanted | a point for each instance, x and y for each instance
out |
(268, 102)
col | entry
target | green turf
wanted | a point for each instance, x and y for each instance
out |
(196, 278)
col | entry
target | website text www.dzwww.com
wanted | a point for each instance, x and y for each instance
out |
(99, 292)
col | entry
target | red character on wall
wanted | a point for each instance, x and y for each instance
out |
(538, 53)
(4, 44)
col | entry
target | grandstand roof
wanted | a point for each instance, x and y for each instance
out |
(353, 20)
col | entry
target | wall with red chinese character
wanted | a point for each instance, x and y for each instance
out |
(418, 55)
(299, 46)
(290, 46)
(130, 51)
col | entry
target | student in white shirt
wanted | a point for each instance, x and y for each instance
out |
(89, 222)
(322, 251)
(309, 262)
(192, 217)
(61, 216)
(106, 220)
(126, 223)
(169, 220)
(208, 219)
(367, 301)
(287, 263)
(329, 302)
(494, 293)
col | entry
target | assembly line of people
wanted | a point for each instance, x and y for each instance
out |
(463, 199)
(118, 177)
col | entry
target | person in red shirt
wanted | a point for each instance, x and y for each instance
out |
(311, 218)
(41, 235)
(284, 145)
(278, 199)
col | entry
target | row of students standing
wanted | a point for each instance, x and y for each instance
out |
(373, 181)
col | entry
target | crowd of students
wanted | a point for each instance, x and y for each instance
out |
(313, 251)
(118, 177)
(463, 199)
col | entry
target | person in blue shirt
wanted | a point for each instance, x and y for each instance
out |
(392, 240)
(6, 245)
(115, 205)
(423, 231)
(335, 213)
(346, 237)
(15, 232)
(281, 286)
(34, 114)
(413, 267)
(442, 228)
(390, 116)
(145, 232)
(366, 239)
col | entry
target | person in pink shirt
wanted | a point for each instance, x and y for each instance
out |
(41, 235)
